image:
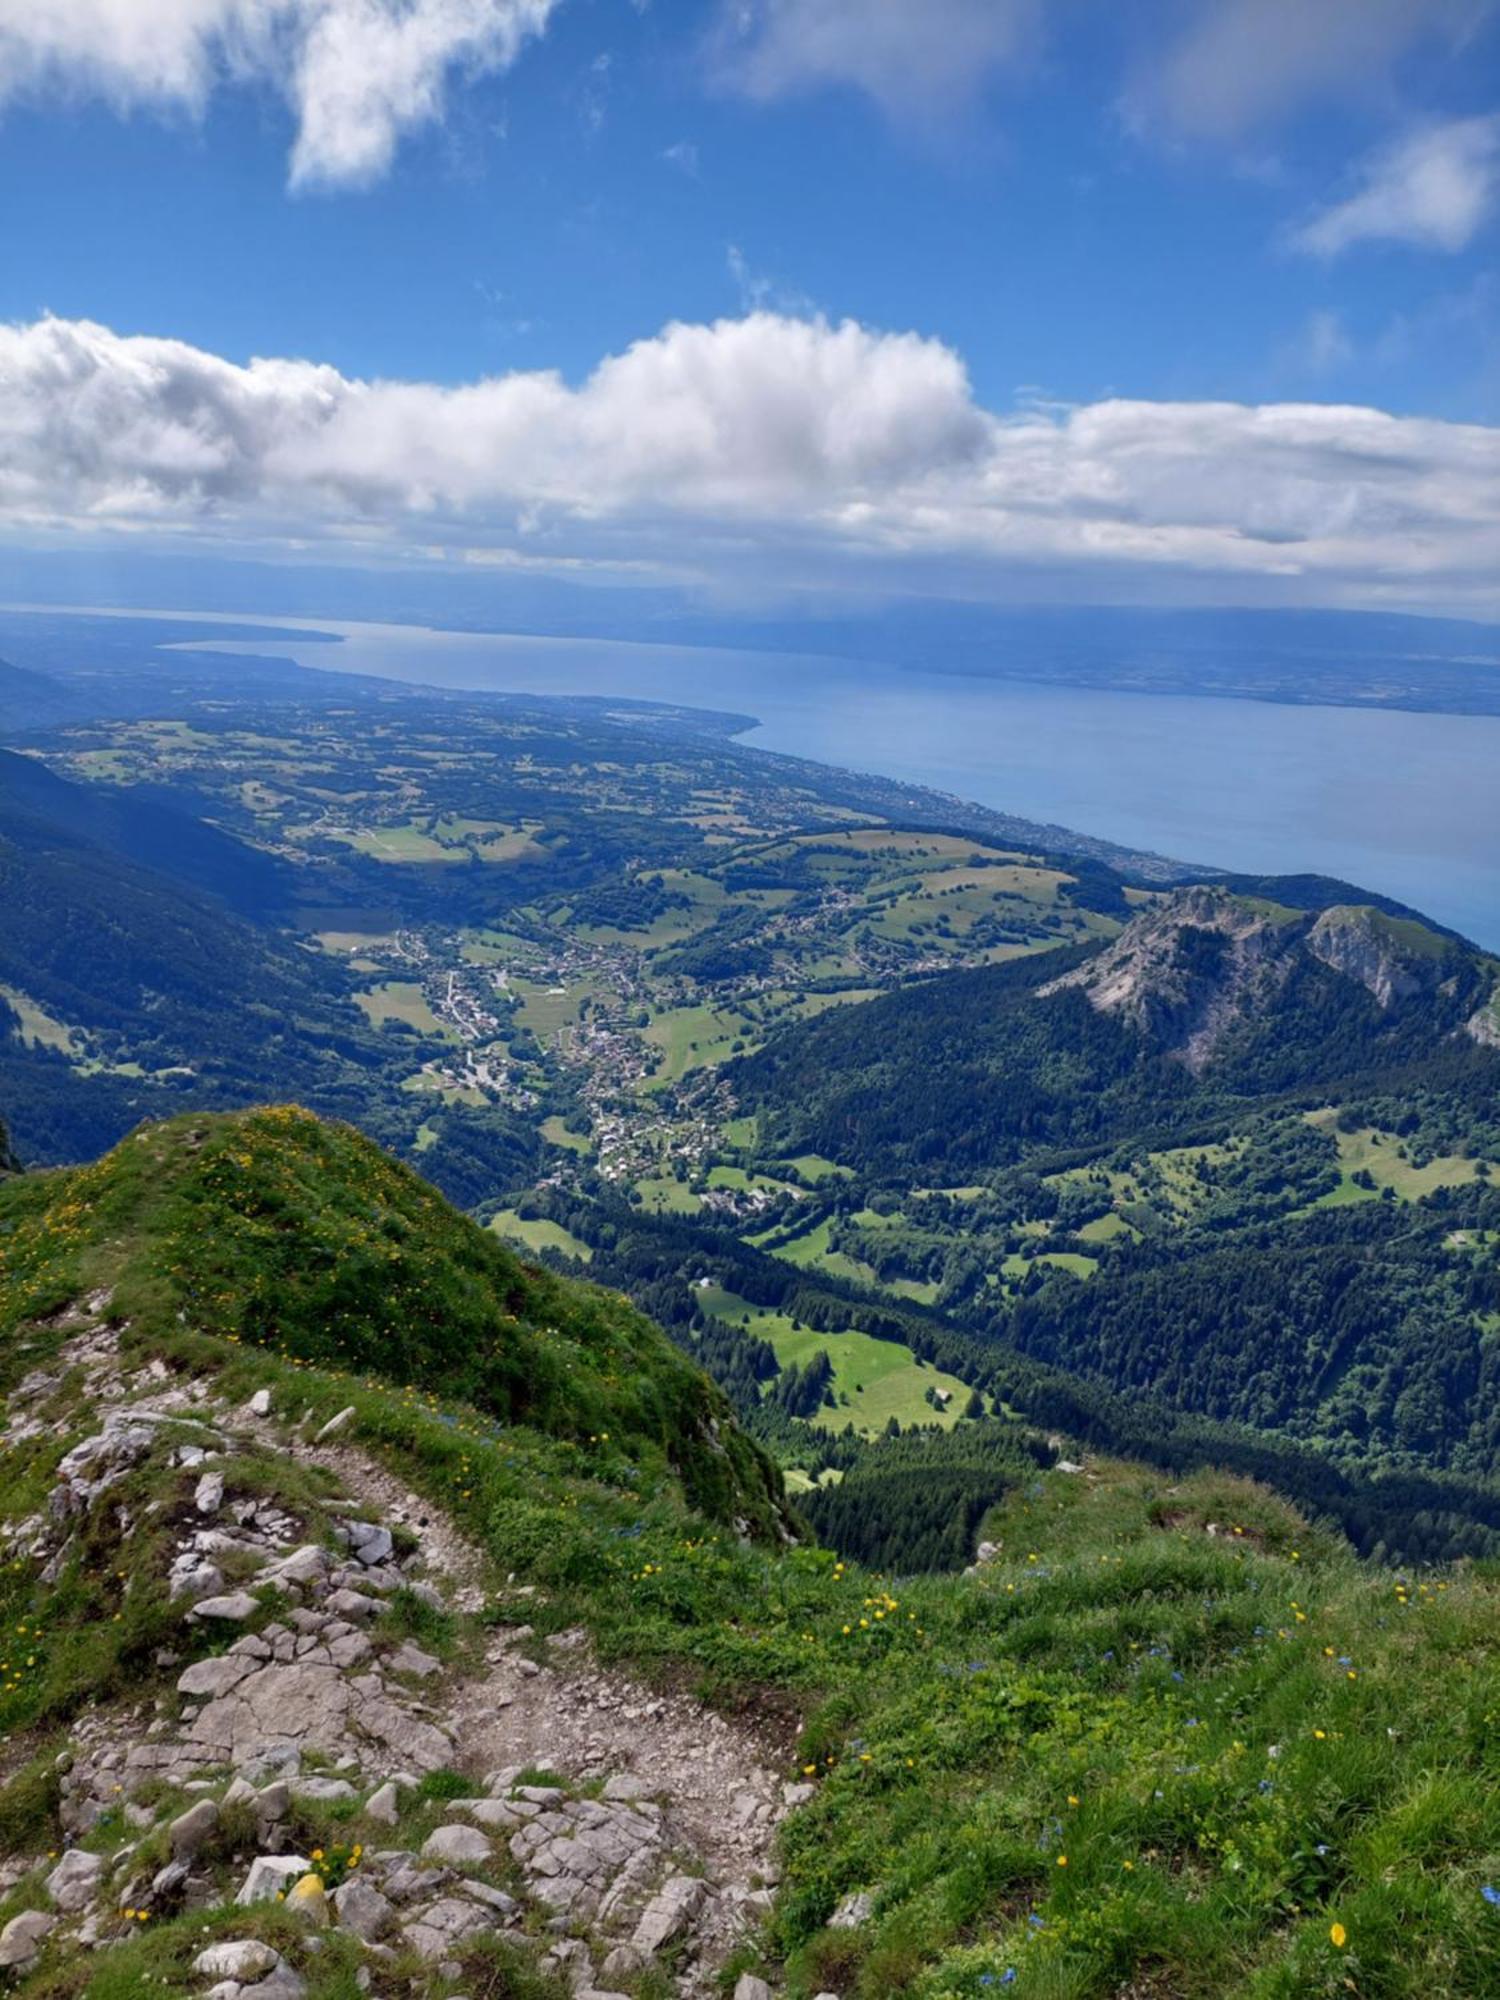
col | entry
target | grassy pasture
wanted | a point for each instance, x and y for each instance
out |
(814, 1167)
(1380, 1154)
(536, 1233)
(691, 1037)
(881, 1378)
(398, 845)
(401, 1000)
(556, 1133)
(39, 1029)
(661, 1194)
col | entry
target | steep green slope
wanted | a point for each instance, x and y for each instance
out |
(1169, 1741)
(276, 1229)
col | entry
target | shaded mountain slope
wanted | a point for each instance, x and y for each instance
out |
(154, 989)
(130, 825)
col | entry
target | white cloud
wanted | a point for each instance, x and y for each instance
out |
(910, 58)
(356, 73)
(1236, 64)
(1433, 189)
(764, 446)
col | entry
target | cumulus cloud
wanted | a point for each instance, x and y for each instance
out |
(1235, 64)
(356, 73)
(909, 58)
(751, 442)
(1432, 189)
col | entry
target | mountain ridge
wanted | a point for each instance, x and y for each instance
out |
(1207, 960)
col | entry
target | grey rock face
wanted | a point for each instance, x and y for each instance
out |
(192, 1831)
(362, 1909)
(669, 1912)
(434, 1931)
(215, 1677)
(384, 1805)
(22, 1939)
(74, 1881)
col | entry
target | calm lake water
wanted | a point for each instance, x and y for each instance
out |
(1407, 804)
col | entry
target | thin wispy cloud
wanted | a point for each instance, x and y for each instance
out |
(1432, 190)
(913, 60)
(1221, 69)
(683, 155)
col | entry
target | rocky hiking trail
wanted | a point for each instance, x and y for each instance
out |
(405, 1799)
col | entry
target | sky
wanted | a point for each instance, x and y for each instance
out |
(813, 303)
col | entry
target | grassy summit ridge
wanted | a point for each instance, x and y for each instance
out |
(278, 1229)
(1170, 1742)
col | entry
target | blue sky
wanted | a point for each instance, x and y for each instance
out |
(1164, 204)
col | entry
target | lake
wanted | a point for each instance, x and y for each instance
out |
(1403, 803)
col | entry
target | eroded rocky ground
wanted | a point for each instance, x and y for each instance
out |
(303, 1746)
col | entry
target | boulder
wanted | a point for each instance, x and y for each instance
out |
(334, 1425)
(22, 1939)
(237, 1958)
(410, 1659)
(273, 1802)
(370, 1541)
(459, 1846)
(208, 1495)
(215, 1677)
(307, 1898)
(193, 1577)
(234, 1608)
(271, 1875)
(191, 1831)
(305, 1566)
(259, 1404)
(75, 1880)
(363, 1910)
(409, 1882)
(354, 1605)
(748, 1987)
(384, 1805)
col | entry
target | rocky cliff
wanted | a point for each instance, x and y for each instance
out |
(1199, 966)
